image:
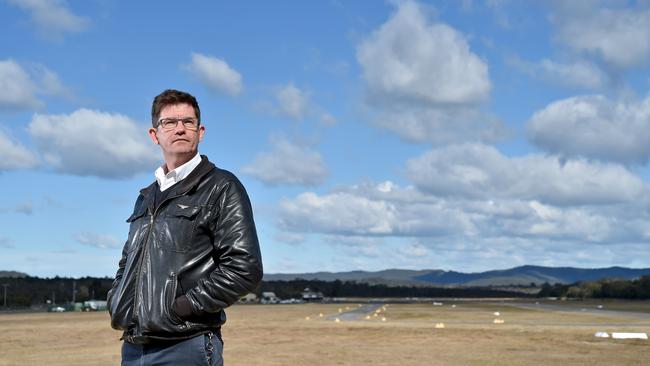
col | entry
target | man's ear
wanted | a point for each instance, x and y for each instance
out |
(152, 134)
(201, 132)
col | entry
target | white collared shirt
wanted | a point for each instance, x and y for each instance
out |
(165, 181)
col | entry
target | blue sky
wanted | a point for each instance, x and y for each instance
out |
(456, 135)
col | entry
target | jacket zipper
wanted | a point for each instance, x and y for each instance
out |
(145, 252)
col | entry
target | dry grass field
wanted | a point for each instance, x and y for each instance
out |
(268, 335)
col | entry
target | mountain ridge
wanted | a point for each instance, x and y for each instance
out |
(521, 275)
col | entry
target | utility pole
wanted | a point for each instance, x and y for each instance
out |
(5, 285)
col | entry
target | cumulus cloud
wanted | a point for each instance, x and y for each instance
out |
(20, 85)
(292, 101)
(98, 240)
(289, 238)
(373, 211)
(617, 36)
(295, 103)
(594, 127)
(14, 155)
(423, 79)
(53, 16)
(288, 163)
(414, 250)
(441, 125)
(215, 74)
(357, 245)
(51, 84)
(358, 214)
(17, 89)
(482, 172)
(581, 74)
(415, 60)
(327, 119)
(93, 143)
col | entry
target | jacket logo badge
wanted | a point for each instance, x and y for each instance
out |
(182, 206)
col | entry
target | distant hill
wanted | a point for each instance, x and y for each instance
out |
(12, 274)
(523, 275)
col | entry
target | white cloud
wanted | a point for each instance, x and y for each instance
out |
(617, 36)
(441, 125)
(594, 127)
(215, 74)
(98, 240)
(357, 245)
(369, 211)
(14, 155)
(360, 213)
(582, 74)
(88, 142)
(17, 90)
(295, 103)
(482, 172)
(414, 250)
(327, 119)
(288, 163)
(19, 86)
(50, 83)
(423, 81)
(53, 16)
(292, 101)
(410, 59)
(289, 238)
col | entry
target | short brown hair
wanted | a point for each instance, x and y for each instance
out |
(171, 97)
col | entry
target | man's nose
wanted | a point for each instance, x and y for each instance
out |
(180, 128)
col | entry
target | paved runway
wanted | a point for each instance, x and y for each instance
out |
(355, 313)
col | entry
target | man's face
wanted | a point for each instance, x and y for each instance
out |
(178, 142)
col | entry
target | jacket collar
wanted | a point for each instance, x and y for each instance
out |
(186, 185)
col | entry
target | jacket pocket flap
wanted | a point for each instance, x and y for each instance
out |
(180, 210)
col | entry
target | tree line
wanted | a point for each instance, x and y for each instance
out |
(38, 293)
(35, 292)
(638, 289)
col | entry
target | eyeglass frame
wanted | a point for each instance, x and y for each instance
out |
(195, 123)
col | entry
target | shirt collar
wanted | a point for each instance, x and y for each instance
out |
(167, 180)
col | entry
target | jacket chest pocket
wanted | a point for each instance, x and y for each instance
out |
(176, 227)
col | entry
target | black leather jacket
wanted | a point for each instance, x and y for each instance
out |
(199, 243)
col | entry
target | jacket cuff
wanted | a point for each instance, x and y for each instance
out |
(182, 306)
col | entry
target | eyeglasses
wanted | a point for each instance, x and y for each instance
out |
(169, 124)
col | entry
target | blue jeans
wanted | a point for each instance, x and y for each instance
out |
(202, 350)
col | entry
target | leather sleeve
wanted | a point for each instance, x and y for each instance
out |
(237, 253)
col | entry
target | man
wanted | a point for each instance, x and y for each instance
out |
(192, 249)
